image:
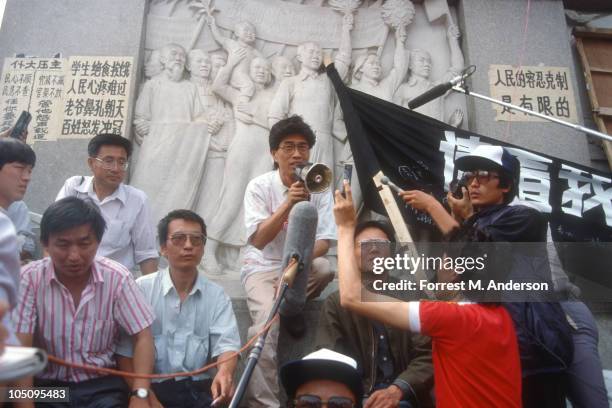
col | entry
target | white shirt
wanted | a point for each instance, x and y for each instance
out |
(189, 334)
(129, 237)
(19, 213)
(264, 195)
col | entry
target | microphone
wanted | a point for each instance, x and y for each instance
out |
(385, 180)
(440, 89)
(299, 243)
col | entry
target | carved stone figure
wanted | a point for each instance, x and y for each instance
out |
(419, 82)
(245, 39)
(153, 66)
(219, 119)
(282, 68)
(172, 144)
(219, 59)
(368, 74)
(310, 94)
(248, 154)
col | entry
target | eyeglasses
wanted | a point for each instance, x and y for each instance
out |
(180, 239)
(482, 176)
(108, 163)
(289, 148)
(313, 401)
(374, 241)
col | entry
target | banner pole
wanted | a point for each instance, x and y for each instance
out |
(579, 128)
(401, 230)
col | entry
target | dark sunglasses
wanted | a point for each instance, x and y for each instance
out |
(313, 401)
(482, 176)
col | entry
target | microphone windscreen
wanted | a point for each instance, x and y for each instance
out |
(430, 95)
(300, 239)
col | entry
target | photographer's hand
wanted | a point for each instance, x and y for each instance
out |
(344, 212)
(461, 208)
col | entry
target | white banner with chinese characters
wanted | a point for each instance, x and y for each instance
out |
(545, 90)
(35, 85)
(96, 96)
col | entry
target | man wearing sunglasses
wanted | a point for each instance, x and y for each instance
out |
(491, 177)
(324, 378)
(395, 364)
(130, 235)
(194, 321)
(268, 200)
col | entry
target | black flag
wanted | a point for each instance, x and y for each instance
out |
(418, 152)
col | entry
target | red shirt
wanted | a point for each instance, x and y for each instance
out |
(475, 353)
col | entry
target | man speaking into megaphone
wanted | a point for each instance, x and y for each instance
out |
(268, 201)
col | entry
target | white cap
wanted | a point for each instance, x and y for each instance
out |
(485, 156)
(327, 354)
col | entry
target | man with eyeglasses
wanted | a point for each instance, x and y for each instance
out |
(484, 214)
(194, 321)
(268, 201)
(396, 367)
(474, 347)
(130, 236)
(324, 378)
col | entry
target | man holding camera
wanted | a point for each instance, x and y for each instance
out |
(268, 201)
(395, 365)
(483, 214)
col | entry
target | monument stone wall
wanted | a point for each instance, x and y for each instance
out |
(493, 34)
(87, 27)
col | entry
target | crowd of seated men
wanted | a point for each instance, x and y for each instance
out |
(83, 303)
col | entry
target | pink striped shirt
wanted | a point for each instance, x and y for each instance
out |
(87, 333)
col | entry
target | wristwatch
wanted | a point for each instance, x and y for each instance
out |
(141, 393)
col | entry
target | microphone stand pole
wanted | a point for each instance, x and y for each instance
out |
(286, 281)
(604, 136)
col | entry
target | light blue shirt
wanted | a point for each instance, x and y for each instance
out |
(188, 335)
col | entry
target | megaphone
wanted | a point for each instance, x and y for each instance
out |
(317, 177)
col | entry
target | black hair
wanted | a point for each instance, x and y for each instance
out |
(68, 213)
(508, 180)
(188, 215)
(293, 125)
(381, 225)
(108, 139)
(15, 151)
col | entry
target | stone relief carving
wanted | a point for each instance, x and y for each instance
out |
(173, 143)
(218, 116)
(419, 79)
(248, 155)
(311, 95)
(221, 113)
